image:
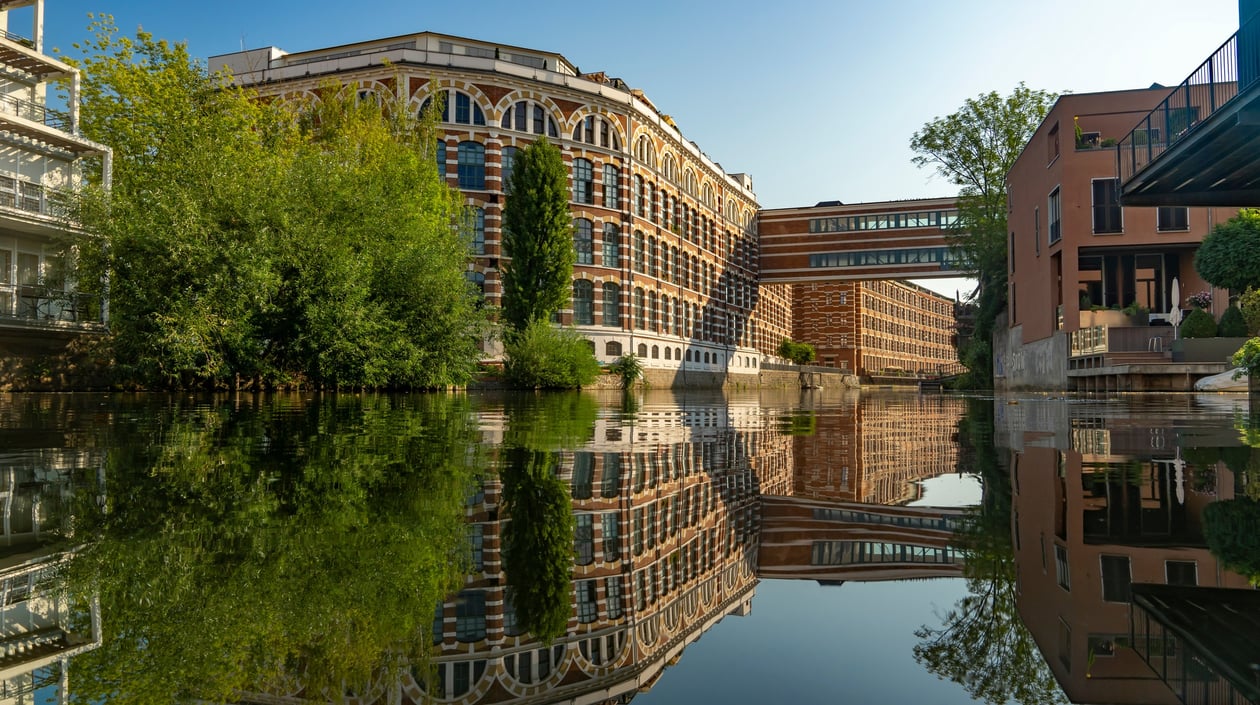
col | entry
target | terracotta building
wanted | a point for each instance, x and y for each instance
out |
(666, 240)
(1091, 279)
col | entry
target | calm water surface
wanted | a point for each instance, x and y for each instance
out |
(670, 548)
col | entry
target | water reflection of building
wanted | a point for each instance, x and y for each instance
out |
(878, 450)
(667, 523)
(41, 626)
(1104, 501)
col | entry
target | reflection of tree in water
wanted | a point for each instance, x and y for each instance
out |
(1232, 527)
(289, 546)
(982, 644)
(538, 536)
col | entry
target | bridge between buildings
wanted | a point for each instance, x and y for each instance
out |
(833, 241)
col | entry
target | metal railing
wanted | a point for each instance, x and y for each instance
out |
(44, 305)
(17, 38)
(1229, 71)
(35, 112)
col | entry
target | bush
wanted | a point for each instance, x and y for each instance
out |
(800, 353)
(1247, 358)
(1232, 530)
(1249, 304)
(546, 357)
(1232, 324)
(628, 368)
(1199, 324)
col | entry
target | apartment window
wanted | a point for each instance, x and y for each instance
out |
(1052, 217)
(472, 166)
(612, 537)
(1116, 578)
(638, 195)
(612, 305)
(640, 319)
(1037, 231)
(1173, 218)
(476, 540)
(583, 241)
(478, 280)
(440, 158)
(612, 245)
(1107, 206)
(1052, 143)
(528, 116)
(467, 112)
(1062, 572)
(583, 303)
(596, 130)
(612, 586)
(639, 265)
(470, 615)
(587, 607)
(475, 229)
(507, 158)
(584, 539)
(612, 186)
(1181, 573)
(583, 181)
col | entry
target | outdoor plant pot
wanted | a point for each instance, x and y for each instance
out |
(1205, 349)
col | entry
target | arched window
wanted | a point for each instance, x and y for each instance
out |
(612, 245)
(668, 353)
(668, 168)
(612, 186)
(638, 251)
(637, 195)
(640, 319)
(475, 229)
(612, 349)
(583, 303)
(644, 151)
(689, 181)
(612, 306)
(529, 116)
(677, 353)
(706, 195)
(507, 159)
(596, 130)
(656, 352)
(466, 110)
(472, 166)
(440, 158)
(583, 181)
(643, 350)
(583, 241)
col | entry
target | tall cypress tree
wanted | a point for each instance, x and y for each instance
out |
(537, 237)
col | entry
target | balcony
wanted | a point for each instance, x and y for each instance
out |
(1197, 147)
(26, 306)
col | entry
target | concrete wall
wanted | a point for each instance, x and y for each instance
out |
(1041, 364)
(37, 362)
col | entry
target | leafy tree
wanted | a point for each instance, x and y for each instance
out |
(1229, 257)
(537, 237)
(276, 546)
(983, 644)
(543, 356)
(799, 353)
(1249, 304)
(974, 148)
(628, 368)
(276, 243)
(1199, 324)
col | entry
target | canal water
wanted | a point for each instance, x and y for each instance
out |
(666, 547)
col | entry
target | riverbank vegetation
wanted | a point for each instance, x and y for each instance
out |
(300, 242)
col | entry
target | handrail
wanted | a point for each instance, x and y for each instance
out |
(1228, 72)
(24, 41)
(34, 112)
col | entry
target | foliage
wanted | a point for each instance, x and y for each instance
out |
(537, 237)
(281, 243)
(628, 368)
(1229, 256)
(974, 148)
(1232, 324)
(1249, 304)
(1247, 358)
(284, 544)
(799, 353)
(1200, 299)
(983, 644)
(1232, 530)
(543, 356)
(1199, 324)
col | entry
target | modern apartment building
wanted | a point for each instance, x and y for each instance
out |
(1091, 278)
(666, 240)
(41, 156)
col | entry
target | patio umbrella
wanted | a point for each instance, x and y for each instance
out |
(1174, 313)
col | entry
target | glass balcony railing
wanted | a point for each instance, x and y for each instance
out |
(1229, 71)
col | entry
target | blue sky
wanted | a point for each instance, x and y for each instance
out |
(817, 99)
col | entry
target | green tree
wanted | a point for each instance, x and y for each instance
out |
(543, 356)
(974, 148)
(279, 545)
(799, 353)
(1232, 531)
(537, 237)
(279, 243)
(1229, 257)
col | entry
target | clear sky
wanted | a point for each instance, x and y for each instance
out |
(817, 99)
